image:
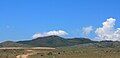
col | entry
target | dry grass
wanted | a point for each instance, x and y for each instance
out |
(73, 52)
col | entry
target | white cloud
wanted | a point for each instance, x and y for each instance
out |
(59, 33)
(108, 31)
(87, 30)
(54, 32)
(36, 35)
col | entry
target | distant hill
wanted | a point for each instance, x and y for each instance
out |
(101, 44)
(108, 44)
(12, 44)
(55, 41)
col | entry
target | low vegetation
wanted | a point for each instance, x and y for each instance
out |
(64, 52)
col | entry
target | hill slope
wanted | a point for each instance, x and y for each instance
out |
(12, 44)
(55, 41)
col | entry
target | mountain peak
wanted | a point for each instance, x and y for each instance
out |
(54, 36)
(50, 37)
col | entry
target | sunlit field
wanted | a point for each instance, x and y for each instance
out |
(63, 52)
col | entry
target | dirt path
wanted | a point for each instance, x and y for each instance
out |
(24, 55)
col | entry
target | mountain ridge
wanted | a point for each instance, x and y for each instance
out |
(57, 41)
(54, 41)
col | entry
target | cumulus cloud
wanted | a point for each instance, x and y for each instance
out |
(108, 31)
(54, 32)
(36, 35)
(87, 30)
(59, 33)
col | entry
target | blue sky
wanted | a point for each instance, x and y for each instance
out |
(20, 19)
